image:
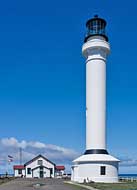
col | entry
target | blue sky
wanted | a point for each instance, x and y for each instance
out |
(42, 74)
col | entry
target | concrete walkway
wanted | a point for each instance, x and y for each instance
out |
(38, 184)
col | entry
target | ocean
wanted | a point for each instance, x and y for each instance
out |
(128, 175)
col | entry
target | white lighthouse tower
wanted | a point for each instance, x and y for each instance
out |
(96, 164)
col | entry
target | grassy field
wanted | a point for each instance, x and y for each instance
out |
(4, 180)
(116, 186)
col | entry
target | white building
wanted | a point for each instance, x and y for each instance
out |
(60, 171)
(95, 164)
(38, 167)
(19, 170)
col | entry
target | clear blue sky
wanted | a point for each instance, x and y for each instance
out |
(42, 72)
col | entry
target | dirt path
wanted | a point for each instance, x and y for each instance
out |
(38, 184)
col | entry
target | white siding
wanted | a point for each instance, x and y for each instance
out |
(60, 173)
(16, 173)
(91, 172)
(36, 172)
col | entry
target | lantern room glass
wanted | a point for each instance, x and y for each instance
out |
(96, 26)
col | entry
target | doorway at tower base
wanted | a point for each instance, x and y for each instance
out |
(95, 167)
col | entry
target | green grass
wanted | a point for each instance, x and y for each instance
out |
(115, 186)
(72, 186)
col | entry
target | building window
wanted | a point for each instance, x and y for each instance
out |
(20, 171)
(28, 170)
(51, 170)
(40, 162)
(103, 170)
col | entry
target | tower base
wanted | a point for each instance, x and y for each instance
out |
(101, 168)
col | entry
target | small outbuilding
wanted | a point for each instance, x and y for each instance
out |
(19, 170)
(60, 171)
(38, 167)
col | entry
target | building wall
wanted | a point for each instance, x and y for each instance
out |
(60, 172)
(36, 173)
(34, 164)
(16, 174)
(91, 172)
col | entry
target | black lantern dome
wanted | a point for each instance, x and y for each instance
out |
(96, 27)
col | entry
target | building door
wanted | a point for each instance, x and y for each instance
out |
(41, 173)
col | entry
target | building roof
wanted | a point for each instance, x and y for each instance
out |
(41, 166)
(16, 167)
(37, 157)
(60, 168)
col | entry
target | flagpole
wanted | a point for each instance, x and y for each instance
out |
(10, 159)
(6, 173)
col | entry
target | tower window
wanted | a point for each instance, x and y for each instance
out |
(103, 170)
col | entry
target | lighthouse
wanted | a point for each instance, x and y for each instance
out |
(96, 164)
